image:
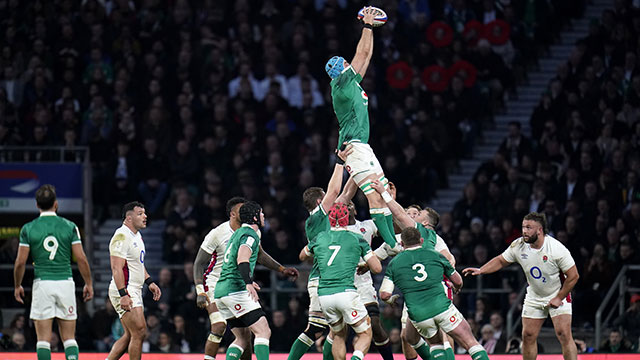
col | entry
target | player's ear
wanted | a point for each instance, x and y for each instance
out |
(55, 206)
(421, 240)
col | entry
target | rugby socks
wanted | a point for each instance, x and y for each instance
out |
(449, 351)
(300, 347)
(43, 350)
(477, 352)
(379, 218)
(234, 352)
(389, 218)
(208, 357)
(357, 355)
(71, 351)
(261, 348)
(326, 349)
(438, 353)
(422, 348)
(384, 348)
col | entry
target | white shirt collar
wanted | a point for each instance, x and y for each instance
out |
(48, 213)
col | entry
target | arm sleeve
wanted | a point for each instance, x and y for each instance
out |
(250, 242)
(365, 249)
(387, 285)
(118, 246)
(381, 252)
(448, 269)
(564, 260)
(24, 237)
(510, 254)
(209, 243)
(75, 235)
(440, 244)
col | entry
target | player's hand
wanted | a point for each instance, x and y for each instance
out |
(392, 190)
(253, 290)
(18, 293)
(362, 269)
(377, 186)
(555, 303)
(368, 15)
(343, 154)
(126, 303)
(392, 300)
(202, 300)
(291, 272)
(87, 292)
(471, 271)
(155, 290)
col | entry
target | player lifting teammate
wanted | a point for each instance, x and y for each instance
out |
(350, 104)
(52, 240)
(551, 274)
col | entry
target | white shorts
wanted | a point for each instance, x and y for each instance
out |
(342, 307)
(211, 287)
(312, 289)
(364, 286)
(405, 312)
(539, 310)
(362, 162)
(135, 294)
(236, 305)
(53, 299)
(447, 320)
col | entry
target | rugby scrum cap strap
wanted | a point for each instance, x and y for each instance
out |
(334, 66)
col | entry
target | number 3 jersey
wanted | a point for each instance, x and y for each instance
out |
(544, 267)
(129, 246)
(49, 239)
(417, 272)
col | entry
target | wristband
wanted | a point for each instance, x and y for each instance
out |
(339, 161)
(148, 281)
(123, 292)
(245, 272)
(368, 26)
(200, 289)
(386, 197)
(281, 269)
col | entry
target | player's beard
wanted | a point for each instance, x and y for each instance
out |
(530, 239)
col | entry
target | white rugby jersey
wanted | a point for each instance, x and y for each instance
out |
(544, 267)
(367, 229)
(215, 243)
(129, 246)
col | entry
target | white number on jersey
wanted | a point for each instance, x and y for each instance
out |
(226, 254)
(420, 269)
(335, 249)
(50, 244)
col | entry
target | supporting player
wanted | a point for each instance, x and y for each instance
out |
(52, 240)
(206, 272)
(350, 104)
(337, 253)
(236, 294)
(418, 273)
(364, 286)
(127, 251)
(317, 202)
(551, 274)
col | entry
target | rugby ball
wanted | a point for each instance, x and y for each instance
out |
(379, 19)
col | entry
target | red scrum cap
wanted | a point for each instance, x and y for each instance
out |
(339, 215)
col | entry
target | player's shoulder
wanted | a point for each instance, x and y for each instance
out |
(121, 234)
(517, 243)
(554, 244)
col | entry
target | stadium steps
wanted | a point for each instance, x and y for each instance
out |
(519, 109)
(101, 267)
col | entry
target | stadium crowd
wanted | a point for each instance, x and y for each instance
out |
(184, 104)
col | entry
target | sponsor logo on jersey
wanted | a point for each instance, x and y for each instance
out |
(524, 256)
(70, 309)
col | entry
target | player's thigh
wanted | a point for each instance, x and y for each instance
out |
(562, 326)
(260, 327)
(67, 329)
(43, 329)
(426, 328)
(135, 321)
(314, 301)
(53, 299)
(65, 297)
(361, 164)
(237, 304)
(463, 335)
(331, 311)
(531, 328)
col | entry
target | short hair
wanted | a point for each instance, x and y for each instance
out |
(231, 203)
(46, 197)
(410, 236)
(434, 217)
(310, 197)
(250, 213)
(540, 218)
(129, 207)
(415, 206)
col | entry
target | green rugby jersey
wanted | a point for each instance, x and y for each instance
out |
(230, 279)
(350, 103)
(430, 237)
(317, 222)
(338, 252)
(49, 239)
(418, 272)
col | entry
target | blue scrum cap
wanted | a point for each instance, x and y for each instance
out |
(334, 66)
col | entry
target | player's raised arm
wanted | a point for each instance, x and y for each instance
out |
(265, 259)
(364, 50)
(85, 270)
(397, 211)
(492, 266)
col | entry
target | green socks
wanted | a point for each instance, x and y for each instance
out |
(380, 219)
(357, 355)
(300, 347)
(71, 351)
(422, 348)
(477, 352)
(449, 351)
(261, 348)
(234, 352)
(43, 350)
(326, 349)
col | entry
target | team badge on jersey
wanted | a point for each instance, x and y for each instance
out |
(545, 258)
(363, 230)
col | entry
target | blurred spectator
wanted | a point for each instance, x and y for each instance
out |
(630, 320)
(281, 334)
(489, 341)
(18, 342)
(102, 324)
(615, 343)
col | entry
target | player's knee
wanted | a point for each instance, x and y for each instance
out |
(528, 336)
(563, 335)
(218, 327)
(315, 330)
